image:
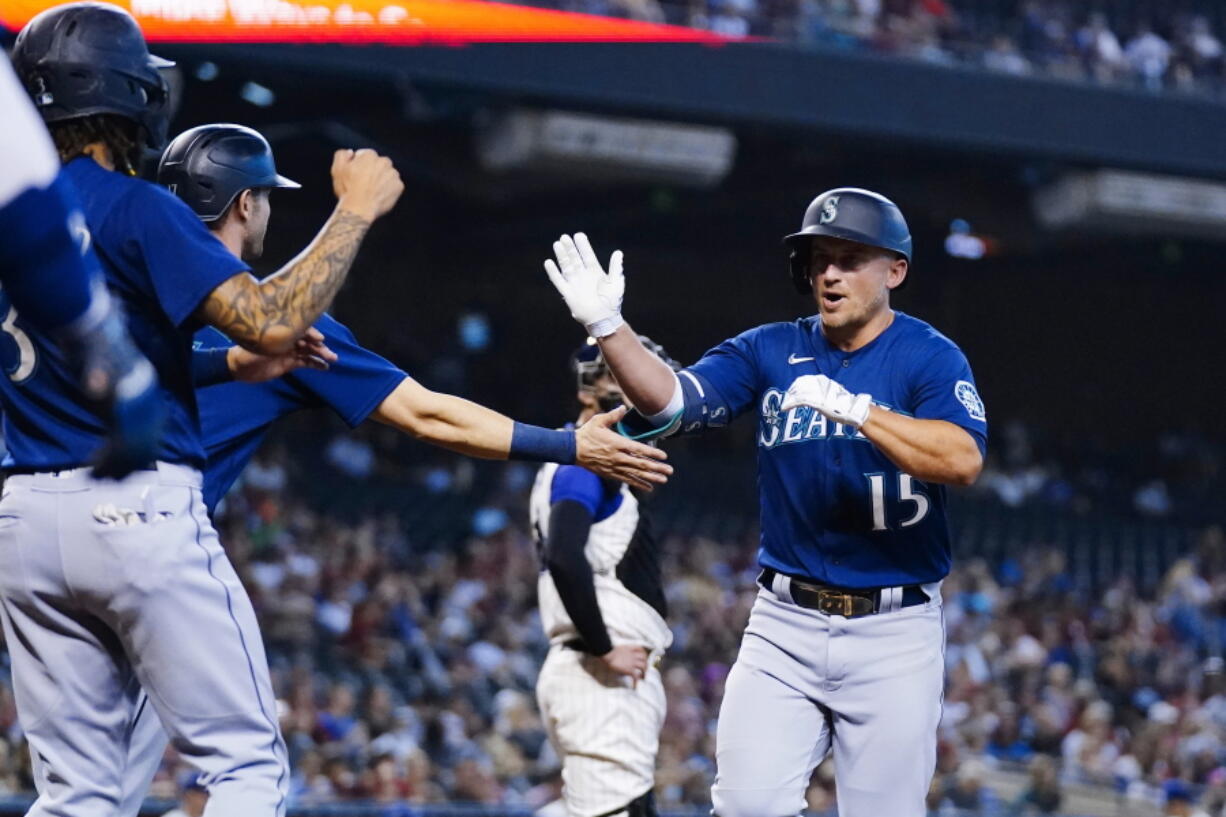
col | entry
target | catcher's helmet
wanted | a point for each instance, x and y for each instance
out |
(84, 59)
(851, 214)
(588, 364)
(210, 165)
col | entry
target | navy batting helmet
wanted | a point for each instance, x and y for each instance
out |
(84, 59)
(210, 165)
(851, 214)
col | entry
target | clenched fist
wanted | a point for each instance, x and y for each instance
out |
(365, 183)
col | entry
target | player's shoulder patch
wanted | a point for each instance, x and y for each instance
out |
(968, 396)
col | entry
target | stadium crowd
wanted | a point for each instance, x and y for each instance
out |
(405, 668)
(1104, 42)
(1179, 476)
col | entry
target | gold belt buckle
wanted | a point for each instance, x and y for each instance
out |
(835, 603)
(839, 604)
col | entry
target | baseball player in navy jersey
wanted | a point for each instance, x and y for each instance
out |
(52, 282)
(864, 415)
(106, 587)
(602, 605)
(221, 171)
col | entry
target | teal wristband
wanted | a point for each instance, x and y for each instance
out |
(635, 426)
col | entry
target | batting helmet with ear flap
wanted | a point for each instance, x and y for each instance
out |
(210, 165)
(851, 214)
(84, 59)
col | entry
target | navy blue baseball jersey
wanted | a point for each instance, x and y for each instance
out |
(161, 262)
(834, 507)
(42, 253)
(40, 220)
(235, 417)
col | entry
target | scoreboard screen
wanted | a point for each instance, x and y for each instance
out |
(358, 22)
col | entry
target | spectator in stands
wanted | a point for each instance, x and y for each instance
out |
(1042, 794)
(1034, 37)
(732, 18)
(1090, 750)
(1100, 49)
(965, 789)
(1149, 55)
(1003, 56)
(647, 11)
(1201, 46)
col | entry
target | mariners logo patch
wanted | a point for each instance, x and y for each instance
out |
(964, 390)
(830, 210)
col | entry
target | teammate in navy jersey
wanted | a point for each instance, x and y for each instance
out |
(864, 415)
(52, 283)
(224, 172)
(106, 586)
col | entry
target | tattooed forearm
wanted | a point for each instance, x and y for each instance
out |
(268, 316)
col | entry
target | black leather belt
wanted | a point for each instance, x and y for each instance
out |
(848, 602)
(575, 644)
(25, 471)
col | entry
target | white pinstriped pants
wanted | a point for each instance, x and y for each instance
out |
(605, 729)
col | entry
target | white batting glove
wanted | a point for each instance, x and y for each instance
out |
(593, 296)
(829, 398)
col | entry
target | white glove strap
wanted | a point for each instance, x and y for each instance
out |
(605, 326)
(857, 413)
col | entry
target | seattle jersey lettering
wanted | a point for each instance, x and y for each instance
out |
(801, 424)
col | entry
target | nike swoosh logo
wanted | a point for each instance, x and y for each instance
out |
(794, 360)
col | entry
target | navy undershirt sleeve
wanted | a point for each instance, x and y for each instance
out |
(570, 521)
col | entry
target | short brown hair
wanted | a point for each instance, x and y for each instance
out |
(120, 135)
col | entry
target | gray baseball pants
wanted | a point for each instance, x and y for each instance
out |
(806, 683)
(108, 588)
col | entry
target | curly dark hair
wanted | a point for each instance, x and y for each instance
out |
(120, 135)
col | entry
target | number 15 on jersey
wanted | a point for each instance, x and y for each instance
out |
(907, 493)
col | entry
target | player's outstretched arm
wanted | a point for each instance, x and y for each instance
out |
(595, 298)
(269, 316)
(468, 428)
